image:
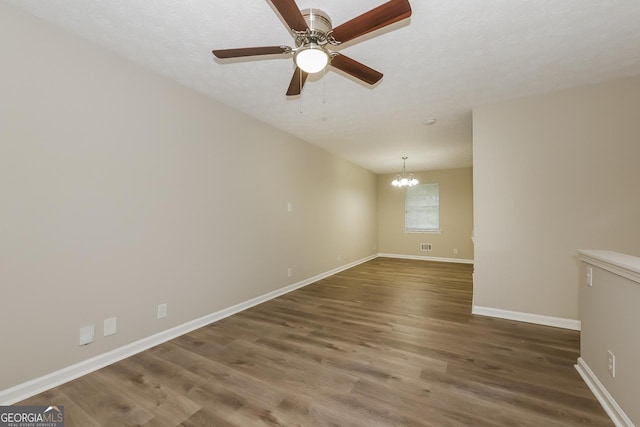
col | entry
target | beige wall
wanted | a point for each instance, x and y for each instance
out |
(122, 190)
(456, 216)
(553, 173)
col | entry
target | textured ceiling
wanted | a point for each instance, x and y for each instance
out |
(448, 58)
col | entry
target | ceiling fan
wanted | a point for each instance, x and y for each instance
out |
(313, 32)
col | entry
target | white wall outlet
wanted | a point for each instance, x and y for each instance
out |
(162, 311)
(455, 251)
(339, 257)
(87, 334)
(289, 207)
(589, 275)
(109, 326)
(289, 272)
(611, 364)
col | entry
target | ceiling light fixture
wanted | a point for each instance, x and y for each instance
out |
(312, 58)
(402, 180)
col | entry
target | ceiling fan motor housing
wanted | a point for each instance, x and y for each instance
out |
(319, 25)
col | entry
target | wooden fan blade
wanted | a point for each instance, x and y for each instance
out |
(297, 82)
(356, 69)
(383, 15)
(251, 51)
(289, 11)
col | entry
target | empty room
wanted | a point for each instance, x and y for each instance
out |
(301, 213)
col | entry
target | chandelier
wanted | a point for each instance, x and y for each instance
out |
(402, 180)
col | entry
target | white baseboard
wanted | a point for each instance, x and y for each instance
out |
(557, 322)
(610, 406)
(54, 379)
(427, 258)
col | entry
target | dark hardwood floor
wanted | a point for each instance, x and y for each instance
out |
(388, 343)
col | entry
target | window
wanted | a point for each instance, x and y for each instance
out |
(422, 211)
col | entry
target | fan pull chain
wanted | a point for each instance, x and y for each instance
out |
(324, 85)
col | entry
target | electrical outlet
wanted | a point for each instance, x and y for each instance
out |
(109, 326)
(455, 251)
(289, 272)
(611, 364)
(87, 334)
(162, 311)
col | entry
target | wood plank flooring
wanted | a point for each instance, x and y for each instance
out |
(388, 343)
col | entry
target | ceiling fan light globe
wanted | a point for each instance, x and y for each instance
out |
(311, 59)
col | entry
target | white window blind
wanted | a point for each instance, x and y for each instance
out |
(422, 210)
